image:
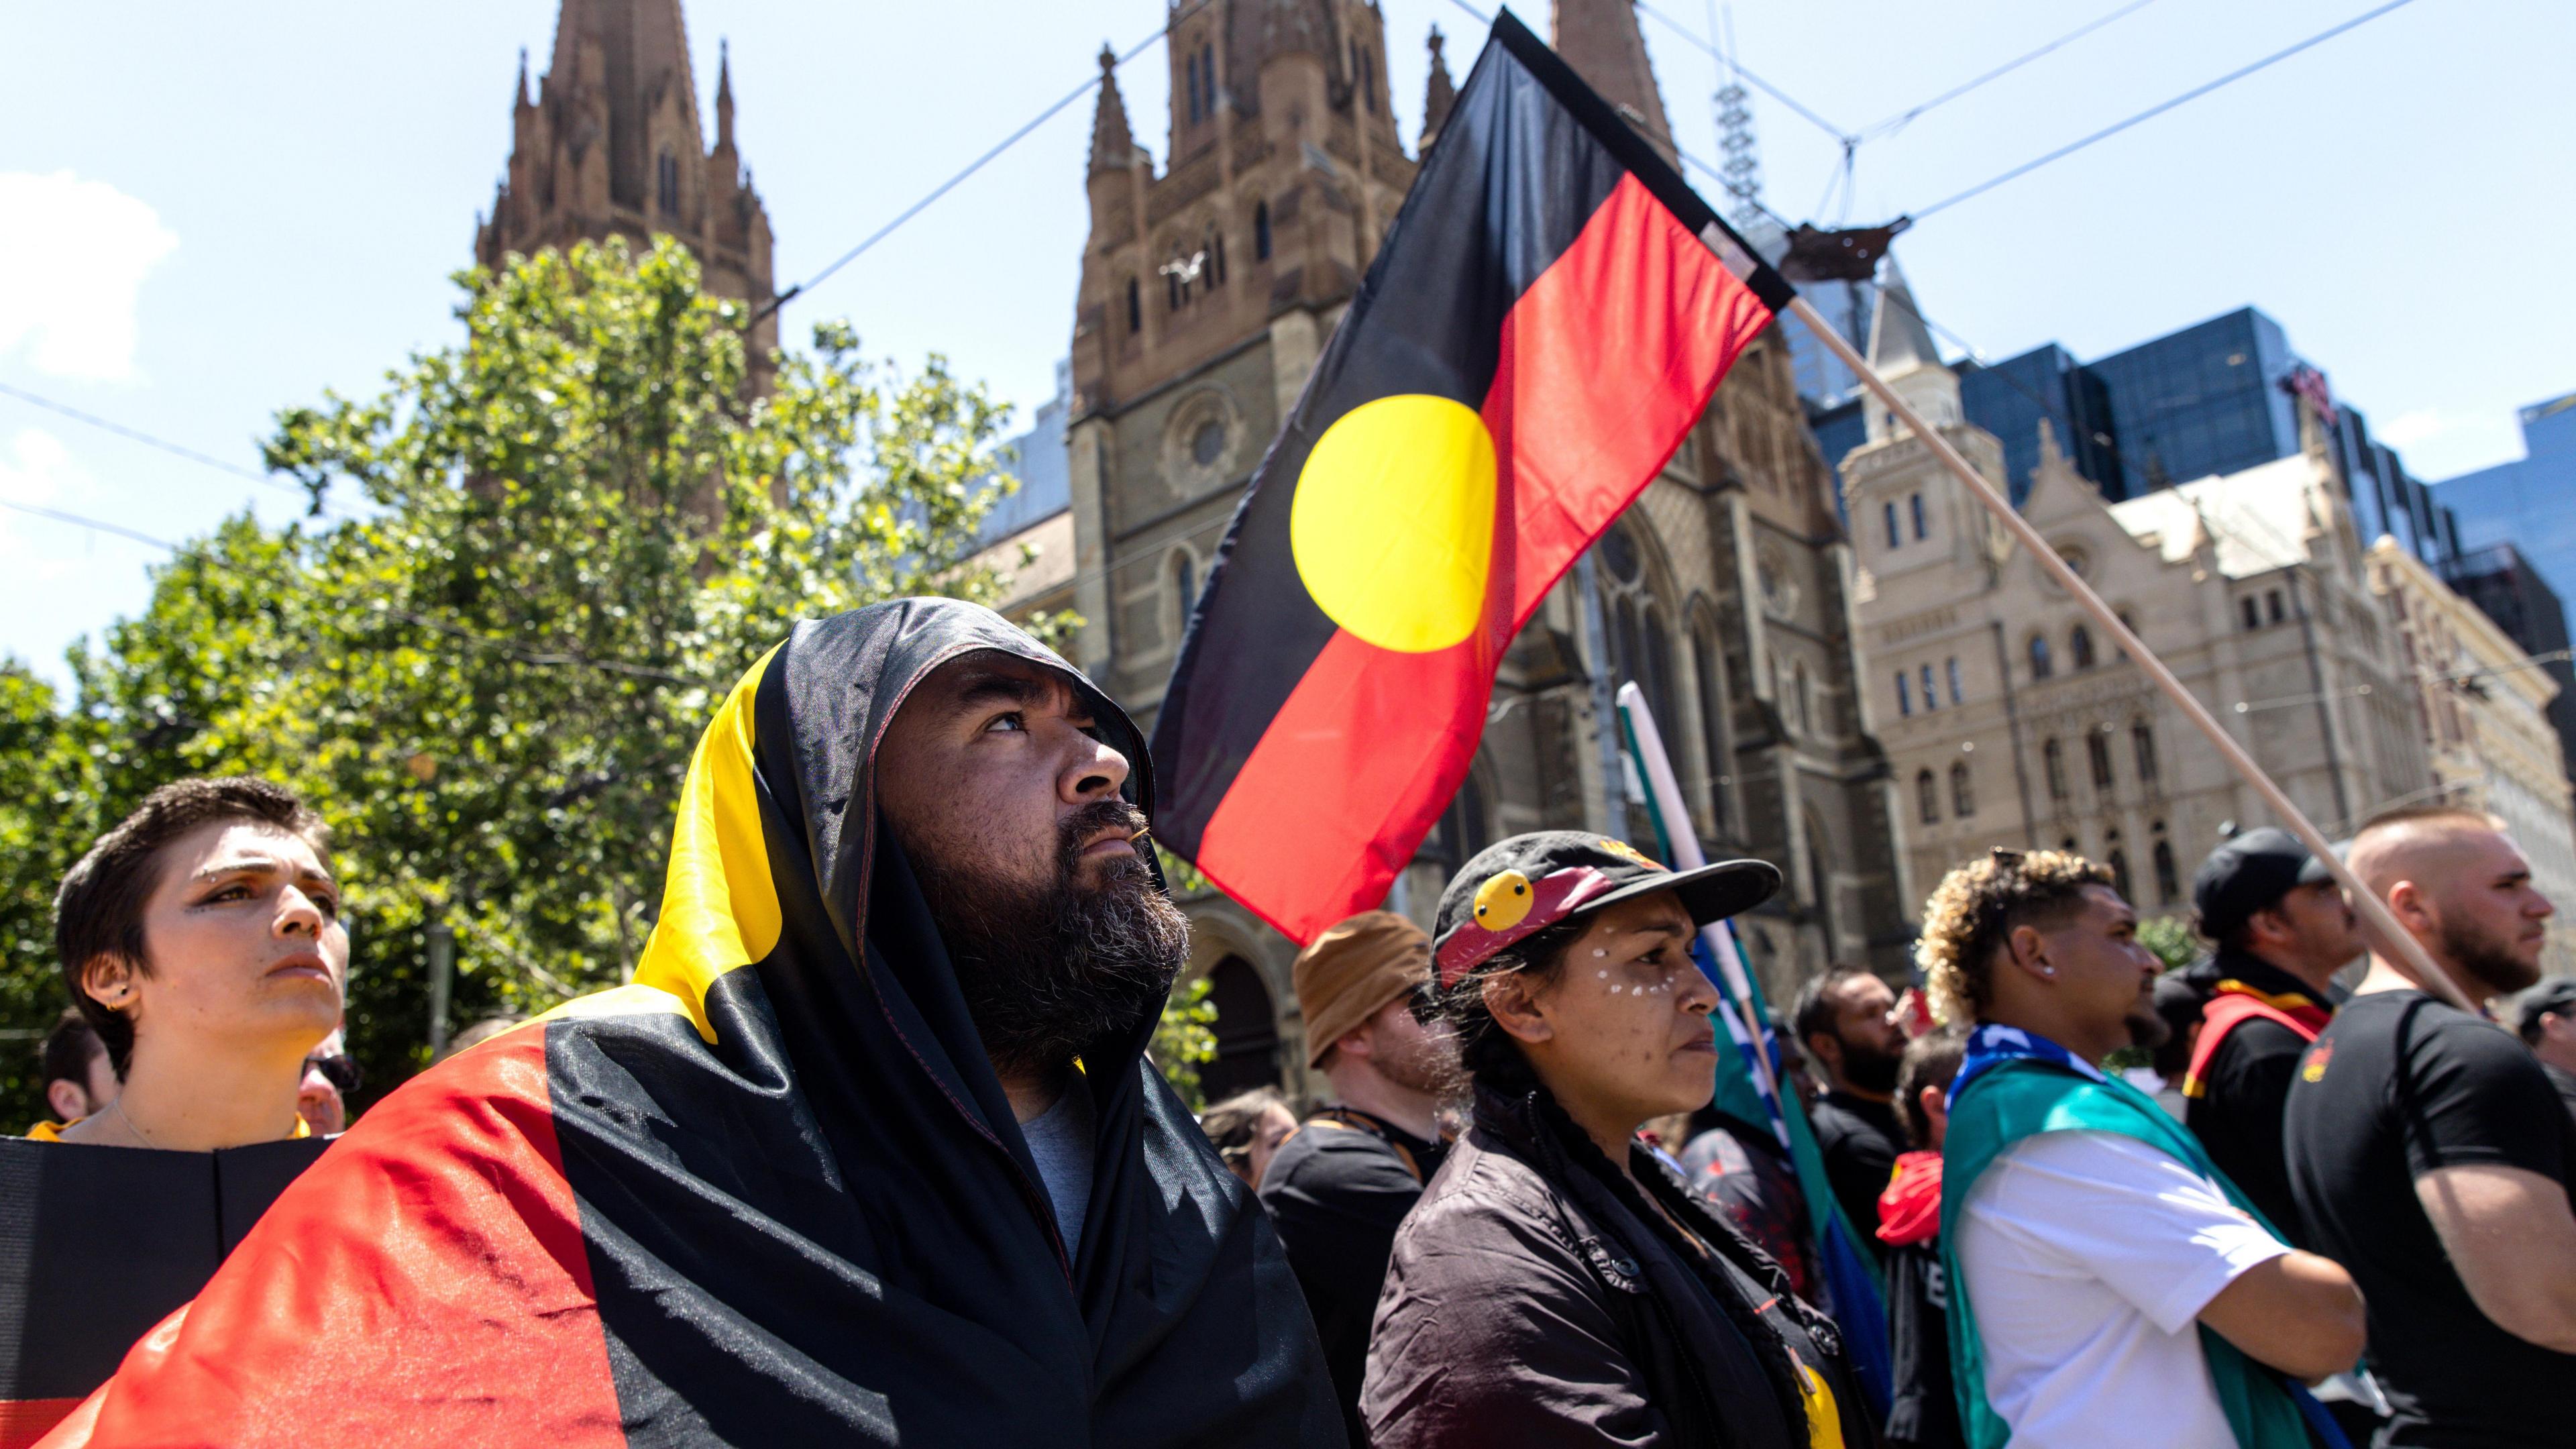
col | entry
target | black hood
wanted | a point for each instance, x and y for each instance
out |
(825, 1217)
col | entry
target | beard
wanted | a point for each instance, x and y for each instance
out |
(2148, 1027)
(2489, 961)
(1050, 969)
(1869, 1068)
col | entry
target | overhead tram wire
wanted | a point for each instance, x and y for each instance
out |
(137, 435)
(971, 167)
(514, 649)
(2159, 109)
(1847, 139)
(1903, 118)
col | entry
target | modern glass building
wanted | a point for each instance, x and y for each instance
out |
(2211, 399)
(2010, 398)
(2531, 503)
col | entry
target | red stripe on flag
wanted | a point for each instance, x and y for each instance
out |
(1607, 360)
(426, 1281)
(1360, 760)
(24, 1421)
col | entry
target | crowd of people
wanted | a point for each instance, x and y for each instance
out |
(889, 1049)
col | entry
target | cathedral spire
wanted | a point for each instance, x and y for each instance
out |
(524, 102)
(1601, 40)
(1899, 342)
(1113, 146)
(1438, 96)
(724, 95)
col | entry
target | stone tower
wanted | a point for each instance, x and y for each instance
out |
(1208, 290)
(611, 144)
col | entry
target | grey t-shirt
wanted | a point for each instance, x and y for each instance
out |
(1060, 1138)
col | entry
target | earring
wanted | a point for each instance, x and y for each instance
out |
(2047, 970)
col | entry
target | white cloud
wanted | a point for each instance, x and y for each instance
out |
(2415, 427)
(36, 468)
(2443, 442)
(72, 259)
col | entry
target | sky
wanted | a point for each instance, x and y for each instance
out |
(211, 213)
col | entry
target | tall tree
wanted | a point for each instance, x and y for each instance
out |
(566, 537)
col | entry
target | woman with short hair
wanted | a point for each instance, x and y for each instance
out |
(1557, 1285)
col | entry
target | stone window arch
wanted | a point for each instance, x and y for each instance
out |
(1927, 798)
(2041, 665)
(2142, 741)
(1963, 790)
(2052, 757)
(2097, 753)
(1922, 523)
(1261, 231)
(2167, 884)
(1135, 308)
(2079, 647)
(666, 183)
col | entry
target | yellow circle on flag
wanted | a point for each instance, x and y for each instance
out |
(1392, 528)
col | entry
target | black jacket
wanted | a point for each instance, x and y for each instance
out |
(1536, 1299)
(2237, 1115)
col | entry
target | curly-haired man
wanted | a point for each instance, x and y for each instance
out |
(2086, 1235)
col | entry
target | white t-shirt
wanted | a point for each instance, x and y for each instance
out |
(2088, 1256)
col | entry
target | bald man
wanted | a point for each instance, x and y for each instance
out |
(2428, 1153)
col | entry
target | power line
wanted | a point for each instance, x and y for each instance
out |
(2159, 109)
(515, 650)
(971, 167)
(1848, 138)
(1903, 118)
(148, 440)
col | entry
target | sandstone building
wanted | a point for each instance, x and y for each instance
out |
(2481, 705)
(2011, 721)
(1208, 288)
(611, 145)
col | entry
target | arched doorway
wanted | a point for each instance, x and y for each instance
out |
(1247, 1031)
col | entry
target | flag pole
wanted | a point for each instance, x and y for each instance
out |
(2410, 957)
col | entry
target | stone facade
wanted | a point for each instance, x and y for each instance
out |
(611, 145)
(2011, 721)
(1208, 289)
(2481, 705)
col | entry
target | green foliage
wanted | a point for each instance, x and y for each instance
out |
(2172, 939)
(577, 528)
(1184, 1038)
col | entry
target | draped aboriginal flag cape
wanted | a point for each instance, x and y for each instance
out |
(1542, 326)
(769, 1193)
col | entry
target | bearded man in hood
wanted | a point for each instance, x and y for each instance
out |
(868, 1153)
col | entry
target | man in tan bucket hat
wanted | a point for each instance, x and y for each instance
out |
(1339, 1187)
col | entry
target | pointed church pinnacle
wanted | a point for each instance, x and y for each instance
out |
(1602, 41)
(2049, 452)
(1899, 341)
(724, 94)
(523, 77)
(1113, 146)
(1438, 95)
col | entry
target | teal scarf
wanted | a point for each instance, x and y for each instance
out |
(2026, 1092)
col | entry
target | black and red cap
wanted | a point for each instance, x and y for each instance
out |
(1519, 887)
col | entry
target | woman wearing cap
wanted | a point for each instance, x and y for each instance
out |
(1556, 1285)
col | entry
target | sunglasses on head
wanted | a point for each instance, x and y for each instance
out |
(339, 1069)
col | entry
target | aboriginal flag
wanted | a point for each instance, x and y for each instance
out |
(771, 1191)
(1544, 323)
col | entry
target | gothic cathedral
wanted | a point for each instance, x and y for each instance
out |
(611, 145)
(1207, 293)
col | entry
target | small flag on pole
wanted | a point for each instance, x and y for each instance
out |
(1543, 325)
